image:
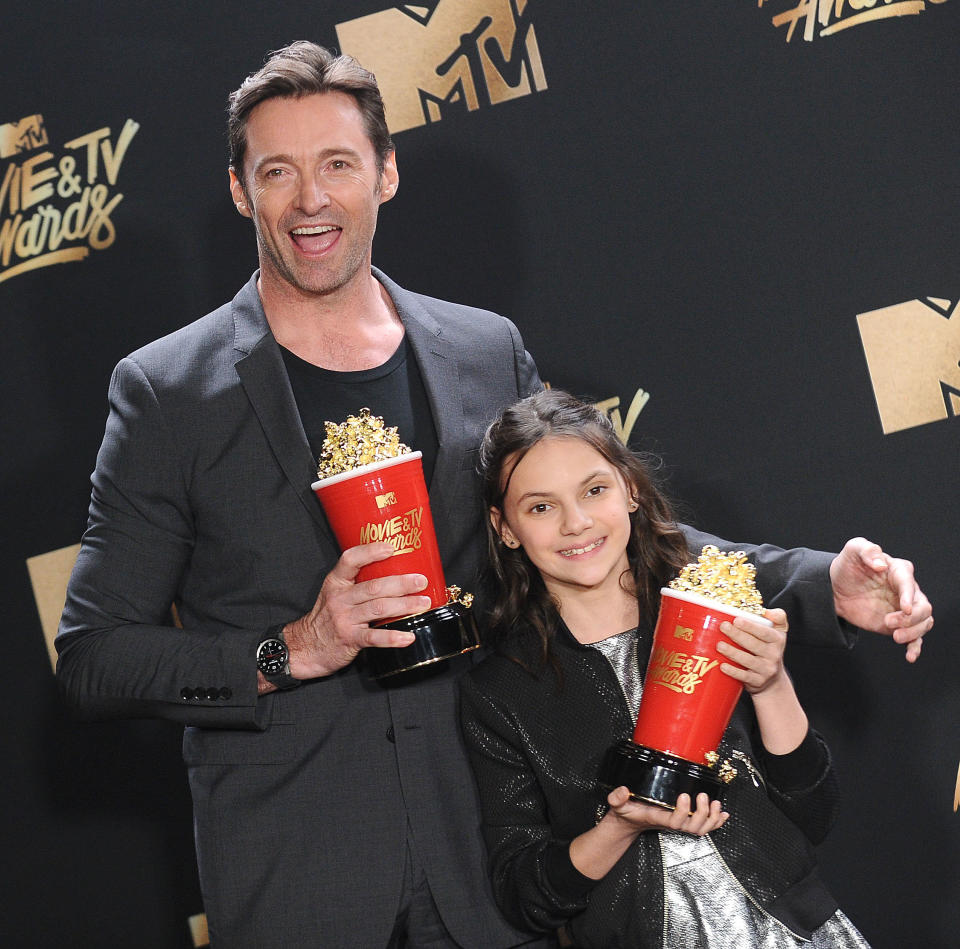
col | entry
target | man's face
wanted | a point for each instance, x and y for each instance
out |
(311, 186)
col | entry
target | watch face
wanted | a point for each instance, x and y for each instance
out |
(272, 656)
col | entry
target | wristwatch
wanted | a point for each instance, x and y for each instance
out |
(273, 659)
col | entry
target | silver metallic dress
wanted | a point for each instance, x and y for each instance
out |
(705, 904)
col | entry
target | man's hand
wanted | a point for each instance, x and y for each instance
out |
(878, 593)
(338, 627)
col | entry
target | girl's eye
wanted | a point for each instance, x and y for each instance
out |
(595, 490)
(540, 508)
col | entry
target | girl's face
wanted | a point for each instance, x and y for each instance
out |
(569, 509)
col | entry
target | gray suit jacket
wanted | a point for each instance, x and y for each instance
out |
(201, 495)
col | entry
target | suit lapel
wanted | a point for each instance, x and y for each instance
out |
(265, 381)
(439, 368)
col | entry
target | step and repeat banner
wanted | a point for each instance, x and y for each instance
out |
(734, 225)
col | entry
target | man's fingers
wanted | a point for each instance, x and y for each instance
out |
(911, 596)
(870, 554)
(914, 648)
(382, 638)
(340, 586)
(356, 630)
(354, 558)
(912, 629)
(380, 609)
(402, 584)
(906, 634)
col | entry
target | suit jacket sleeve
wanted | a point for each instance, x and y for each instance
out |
(528, 379)
(119, 654)
(796, 581)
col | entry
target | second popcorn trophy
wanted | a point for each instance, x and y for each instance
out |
(372, 489)
(687, 700)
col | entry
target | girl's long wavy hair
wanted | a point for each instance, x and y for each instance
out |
(518, 601)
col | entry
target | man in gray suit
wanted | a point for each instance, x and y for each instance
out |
(329, 810)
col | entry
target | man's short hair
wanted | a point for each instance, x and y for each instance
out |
(301, 69)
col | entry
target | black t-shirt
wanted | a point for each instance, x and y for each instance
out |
(393, 390)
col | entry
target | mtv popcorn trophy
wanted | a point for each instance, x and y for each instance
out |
(687, 701)
(372, 489)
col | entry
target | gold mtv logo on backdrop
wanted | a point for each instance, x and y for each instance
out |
(453, 55)
(56, 206)
(611, 408)
(624, 426)
(913, 354)
(22, 136)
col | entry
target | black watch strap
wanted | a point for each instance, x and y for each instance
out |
(273, 659)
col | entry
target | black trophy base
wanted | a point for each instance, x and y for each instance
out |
(442, 633)
(655, 777)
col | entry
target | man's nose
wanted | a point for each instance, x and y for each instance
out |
(312, 195)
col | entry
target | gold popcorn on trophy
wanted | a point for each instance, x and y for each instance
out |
(372, 489)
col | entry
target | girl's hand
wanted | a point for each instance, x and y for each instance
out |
(706, 817)
(595, 851)
(758, 652)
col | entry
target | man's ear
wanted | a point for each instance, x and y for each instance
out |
(239, 195)
(390, 178)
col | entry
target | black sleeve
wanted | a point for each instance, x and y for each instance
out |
(795, 580)
(803, 784)
(535, 884)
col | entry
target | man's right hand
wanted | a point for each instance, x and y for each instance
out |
(338, 627)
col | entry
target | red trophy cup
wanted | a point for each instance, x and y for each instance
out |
(687, 701)
(387, 500)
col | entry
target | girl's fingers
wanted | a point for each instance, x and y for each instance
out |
(778, 618)
(740, 656)
(750, 635)
(618, 796)
(758, 654)
(683, 806)
(706, 817)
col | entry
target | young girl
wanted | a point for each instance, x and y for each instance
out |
(581, 542)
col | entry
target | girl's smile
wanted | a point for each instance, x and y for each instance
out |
(577, 551)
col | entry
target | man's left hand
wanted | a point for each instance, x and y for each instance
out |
(877, 592)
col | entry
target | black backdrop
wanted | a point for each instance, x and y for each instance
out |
(690, 204)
